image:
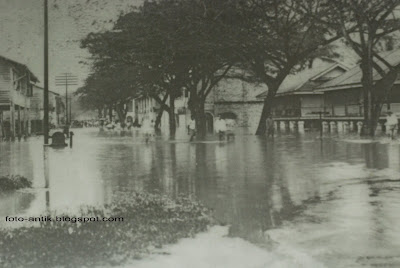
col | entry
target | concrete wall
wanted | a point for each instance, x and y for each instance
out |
(236, 90)
(230, 95)
(248, 114)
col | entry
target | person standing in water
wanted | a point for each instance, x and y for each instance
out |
(391, 123)
(220, 128)
(270, 126)
(192, 128)
(147, 128)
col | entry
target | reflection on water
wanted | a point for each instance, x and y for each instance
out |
(335, 200)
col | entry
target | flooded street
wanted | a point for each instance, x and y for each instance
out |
(335, 201)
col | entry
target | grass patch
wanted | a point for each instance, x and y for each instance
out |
(149, 222)
(14, 182)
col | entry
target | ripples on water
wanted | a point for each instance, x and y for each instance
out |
(335, 199)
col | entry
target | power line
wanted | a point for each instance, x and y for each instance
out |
(66, 79)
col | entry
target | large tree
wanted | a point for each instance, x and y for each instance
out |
(145, 38)
(279, 37)
(110, 85)
(375, 22)
(207, 49)
(178, 45)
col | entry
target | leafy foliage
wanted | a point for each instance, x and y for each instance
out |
(281, 37)
(174, 45)
(149, 222)
(14, 182)
(365, 25)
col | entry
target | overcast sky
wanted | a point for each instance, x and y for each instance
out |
(21, 28)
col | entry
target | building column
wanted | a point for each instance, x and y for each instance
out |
(25, 124)
(340, 126)
(333, 127)
(346, 127)
(12, 119)
(352, 126)
(276, 125)
(378, 129)
(292, 125)
(1, 126)
(282, 126)
(29, 130)
(287, 125)
(300, 126)
(359, 126)
(19, 122)
(325, 126)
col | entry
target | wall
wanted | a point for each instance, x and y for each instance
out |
(237, 90)
(5, 83)
(339, 101)
(240, 98)
(230, 95)
(311, 105)
(248, 114)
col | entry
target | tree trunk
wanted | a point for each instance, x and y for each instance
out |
(196, 106)
(163, 107)
(110, 112)
(368, 94)
(120, 112)
(200, 118)
(266, 111)
(171, 116)
(157, 123)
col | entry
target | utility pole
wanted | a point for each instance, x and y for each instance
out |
(46, 99)
(46, 76)
(70, 109)
(67, 79)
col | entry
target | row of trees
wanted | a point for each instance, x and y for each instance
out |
(165, 47)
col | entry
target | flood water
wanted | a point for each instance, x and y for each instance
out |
(335, 200)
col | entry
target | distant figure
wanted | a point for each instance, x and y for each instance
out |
(129, 122)
(117, 125)
(220, 128)
(391, 123)
(129, 125)
(111, 125)
(66, 131)
(147, 128)
(136, 123)
(192, 128)
(230, 125)
(270, 127)
(7, 130)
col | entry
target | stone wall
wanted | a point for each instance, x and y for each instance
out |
(236, 90)
(248, 114)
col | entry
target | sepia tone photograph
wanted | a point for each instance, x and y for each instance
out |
(199, 133)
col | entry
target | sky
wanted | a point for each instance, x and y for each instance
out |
(21, 29)
(22, 32)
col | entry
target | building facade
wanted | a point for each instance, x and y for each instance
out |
(146, 107)
(332, 100)
(326, 93)
(56, 110)
(16, 88)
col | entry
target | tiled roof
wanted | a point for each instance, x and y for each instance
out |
(352, 78)
(307, 79)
